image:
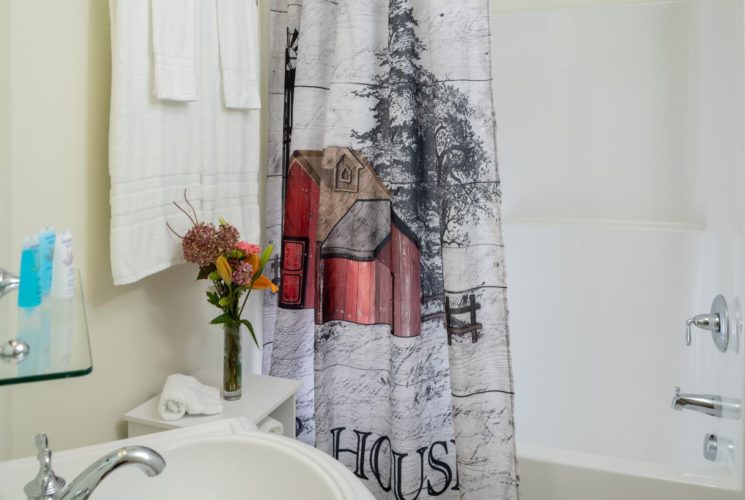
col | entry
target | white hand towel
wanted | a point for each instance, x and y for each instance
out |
(183, 394)
(174, 48)
(239, 54)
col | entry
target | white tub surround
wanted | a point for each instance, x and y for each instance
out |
(611, 120)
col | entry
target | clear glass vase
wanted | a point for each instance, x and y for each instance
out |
(232, 372)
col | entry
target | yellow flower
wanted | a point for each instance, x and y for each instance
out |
(223, 269)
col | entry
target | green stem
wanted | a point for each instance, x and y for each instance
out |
(245, 299)
(232, 364)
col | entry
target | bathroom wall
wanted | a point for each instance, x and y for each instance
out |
(140, 333)
(4, 199)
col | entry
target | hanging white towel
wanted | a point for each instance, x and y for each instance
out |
(183, 394)
(158, 149)
(239, 56)
(174, 49)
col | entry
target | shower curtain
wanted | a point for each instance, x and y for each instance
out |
(382, 198)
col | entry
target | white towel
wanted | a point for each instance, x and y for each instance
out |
(158, 149)
(174, 49)
(239, 55)
(183, 394)
(271, 426)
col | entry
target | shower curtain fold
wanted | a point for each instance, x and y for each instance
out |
(383, 198)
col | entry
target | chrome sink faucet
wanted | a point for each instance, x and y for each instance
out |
(716, 406)
(8, 282)
(48, 486)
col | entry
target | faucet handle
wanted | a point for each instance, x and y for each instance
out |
(716, 321)
(46, 484)
(42, 442)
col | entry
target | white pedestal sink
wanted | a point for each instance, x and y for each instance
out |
(229, 459)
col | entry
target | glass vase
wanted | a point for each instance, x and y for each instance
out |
(232, 373)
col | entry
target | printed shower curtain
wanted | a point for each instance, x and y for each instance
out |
(383, 195)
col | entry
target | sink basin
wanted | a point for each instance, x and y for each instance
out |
(229, 459)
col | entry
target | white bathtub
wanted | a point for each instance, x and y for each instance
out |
(595, 369)
(555, 474)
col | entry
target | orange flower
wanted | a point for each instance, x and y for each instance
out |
(264, 283)
(224, 270)
(254, 260)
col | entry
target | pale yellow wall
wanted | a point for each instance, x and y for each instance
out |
(140, 333)
(4, 199)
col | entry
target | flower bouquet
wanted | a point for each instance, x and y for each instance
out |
(234, 267)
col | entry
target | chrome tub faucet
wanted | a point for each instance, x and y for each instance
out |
(716, 406)
(48, 486)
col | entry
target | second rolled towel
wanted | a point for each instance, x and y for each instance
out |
(184, 394)
(271, 426)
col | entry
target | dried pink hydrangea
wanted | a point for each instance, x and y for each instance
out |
(243, 273)
(200, 244)
(227, 238)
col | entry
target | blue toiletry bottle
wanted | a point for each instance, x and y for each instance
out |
(29, 290)
(46, 257)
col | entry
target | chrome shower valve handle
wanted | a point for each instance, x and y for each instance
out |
(710, 322)
(716, 321)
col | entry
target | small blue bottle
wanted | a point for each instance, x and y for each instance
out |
(29, 290)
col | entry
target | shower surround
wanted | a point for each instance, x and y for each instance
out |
(612, 120)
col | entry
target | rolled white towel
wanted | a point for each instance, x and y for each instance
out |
(271, 426)
(184, 394)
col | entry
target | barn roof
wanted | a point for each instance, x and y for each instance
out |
(361, 232)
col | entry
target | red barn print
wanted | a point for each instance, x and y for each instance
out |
(344, 252)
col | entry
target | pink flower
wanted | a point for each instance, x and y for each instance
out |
(248, 248)
(243, 273)
(200, 244)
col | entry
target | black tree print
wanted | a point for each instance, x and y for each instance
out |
(425, 149)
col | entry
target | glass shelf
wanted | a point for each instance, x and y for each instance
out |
(57, 336)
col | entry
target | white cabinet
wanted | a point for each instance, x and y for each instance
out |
(262, 397)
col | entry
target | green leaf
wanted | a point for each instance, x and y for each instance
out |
(214, 276)
(251, 331)
(212, 298)
(204, 272)
(266, 254)
(221, 319)
(265, 257)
